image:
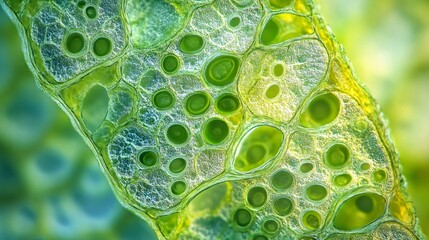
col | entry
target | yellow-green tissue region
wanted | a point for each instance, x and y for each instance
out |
(222, 119)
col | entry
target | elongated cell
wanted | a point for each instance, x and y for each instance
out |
(220, 119)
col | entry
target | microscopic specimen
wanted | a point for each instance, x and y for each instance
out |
(222, 119)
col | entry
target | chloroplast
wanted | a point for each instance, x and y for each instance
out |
(283, 206)
(316, 192)
(282, 180)
(163, 99)
(227, 103)
(191, 43)
(170, 63)
(222, 70)
(178, 187)
(177, 165)
(337, 155)
(177, 134)
(102, 46)
(322, 110)
(215, 131)
(198, 103)
(148, 158)
(91, 12)
(257, 196)
(312, 220)
(270, 226)
(242, 217)
(75, 43)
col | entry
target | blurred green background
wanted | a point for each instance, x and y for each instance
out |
(52, 188)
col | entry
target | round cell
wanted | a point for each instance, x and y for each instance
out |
(198, 103)
(337, 155)
(148, 158)
(177, 134)
(342, 179)
(102, 46)
(379, 175)
(91, 12)
(234, 22)
(282, 180)
(260, 237)
(222, 70)
(81, 4)
(170, 63)
(278, 69)
(215, 131)
(242, 217)
(256, 153)
(270, 226)
(316, 192)
(257, 197)
(272, 91)
(178, 187)
(75, 43)
(365, 166)
(311, 220)
(306, 167)
(283, 206)
(227, 103)
(191, 43)
(163, 99)
(177, 165)
(322, 110)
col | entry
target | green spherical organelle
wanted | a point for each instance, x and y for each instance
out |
(306, 167)
(278, 70)
(197, 103)
(365, 166)
(270, 226)
(81, 4)
(234, 22)
(170, 63)
(312, 220)
(215, 131)
(322, 110)
(272, 91)
(242, 218)
(316, 192)
(342, 180)
(102, 46)
(178, 187)
(257, 196)
(379, 175)
(177, 165)
(91, 12)
(177, 134)
(283, 206)
(75, 43)
(222, 70)
(337, 155)
(191, 43)
(282, 180)
(260, 237)
(227, 103)
(163, 99)
(148, 158)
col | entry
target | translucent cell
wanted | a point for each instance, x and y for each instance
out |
(283, 206)
(258, 146)
(170, 64)
(177, 165)
(322, 110)
(163, 99)
(282, 180)
(91, 12)
(215, 131)
(191, 43)
(359, 211)
(75, 43)
(272, 91)
(284, 26)
(222, 70)
(148, 158)
(227, 103)
(337, 155)
(311, 220)
(306, 167)
(177, 134)
(178, 187)
(94, 107)
(242, 217)
(102, 46)
(198, 103)
(316, 192)
(257, 196)
(342, 179)
(280, 3)
(270, 226)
